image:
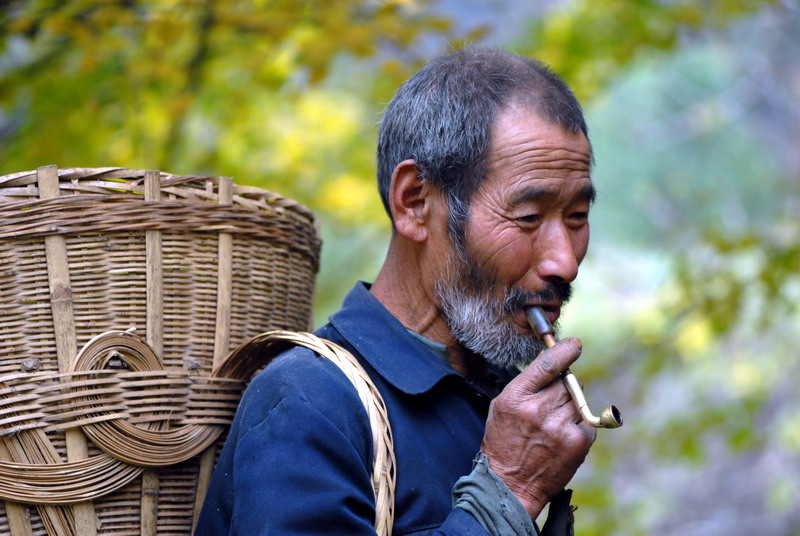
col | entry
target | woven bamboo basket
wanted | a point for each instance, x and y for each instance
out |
(122, 294)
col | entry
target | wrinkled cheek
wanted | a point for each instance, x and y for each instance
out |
(513, 260)
(501, 251)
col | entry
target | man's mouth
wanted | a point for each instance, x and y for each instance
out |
(551, 310)
(550, 299)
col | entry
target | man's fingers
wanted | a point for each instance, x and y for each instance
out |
(550, 364)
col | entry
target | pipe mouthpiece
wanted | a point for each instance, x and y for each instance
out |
(538, 321)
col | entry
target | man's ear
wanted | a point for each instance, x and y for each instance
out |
(410, 202)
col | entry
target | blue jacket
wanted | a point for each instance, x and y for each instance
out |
(297, 459)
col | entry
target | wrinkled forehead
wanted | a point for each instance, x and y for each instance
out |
(522, 142)
(532, 111)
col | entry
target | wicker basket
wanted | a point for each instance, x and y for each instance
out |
(121, 294)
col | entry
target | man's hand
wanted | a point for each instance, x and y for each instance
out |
(535, 437)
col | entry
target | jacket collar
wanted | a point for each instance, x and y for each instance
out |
(386, 344)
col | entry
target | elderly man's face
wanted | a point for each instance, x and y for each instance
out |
(527, 233)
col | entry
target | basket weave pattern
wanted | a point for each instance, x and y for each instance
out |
(121, 294)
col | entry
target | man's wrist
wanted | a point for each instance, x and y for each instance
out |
(489, 500)
(530, 497)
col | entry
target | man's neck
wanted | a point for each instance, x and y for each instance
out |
(409, 297)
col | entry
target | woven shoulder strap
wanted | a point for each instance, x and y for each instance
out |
(383, 471)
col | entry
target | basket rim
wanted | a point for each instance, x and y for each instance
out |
(22, 184)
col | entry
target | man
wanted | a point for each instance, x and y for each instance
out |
(484, 169)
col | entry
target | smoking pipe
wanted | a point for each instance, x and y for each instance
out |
(609, 417)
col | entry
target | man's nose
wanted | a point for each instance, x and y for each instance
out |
(557, 256)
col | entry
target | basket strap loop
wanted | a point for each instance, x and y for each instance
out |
(383, 473)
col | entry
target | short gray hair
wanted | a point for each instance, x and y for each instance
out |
(443, 115)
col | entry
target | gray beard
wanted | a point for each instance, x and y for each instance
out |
(479, 315)
(480, 327)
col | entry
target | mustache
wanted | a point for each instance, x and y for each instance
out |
(516, 298)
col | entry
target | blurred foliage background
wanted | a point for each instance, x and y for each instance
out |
(687, 302)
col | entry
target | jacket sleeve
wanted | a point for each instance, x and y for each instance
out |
(491, 503)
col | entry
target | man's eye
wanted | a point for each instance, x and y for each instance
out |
(530, 218)
(579, 217)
